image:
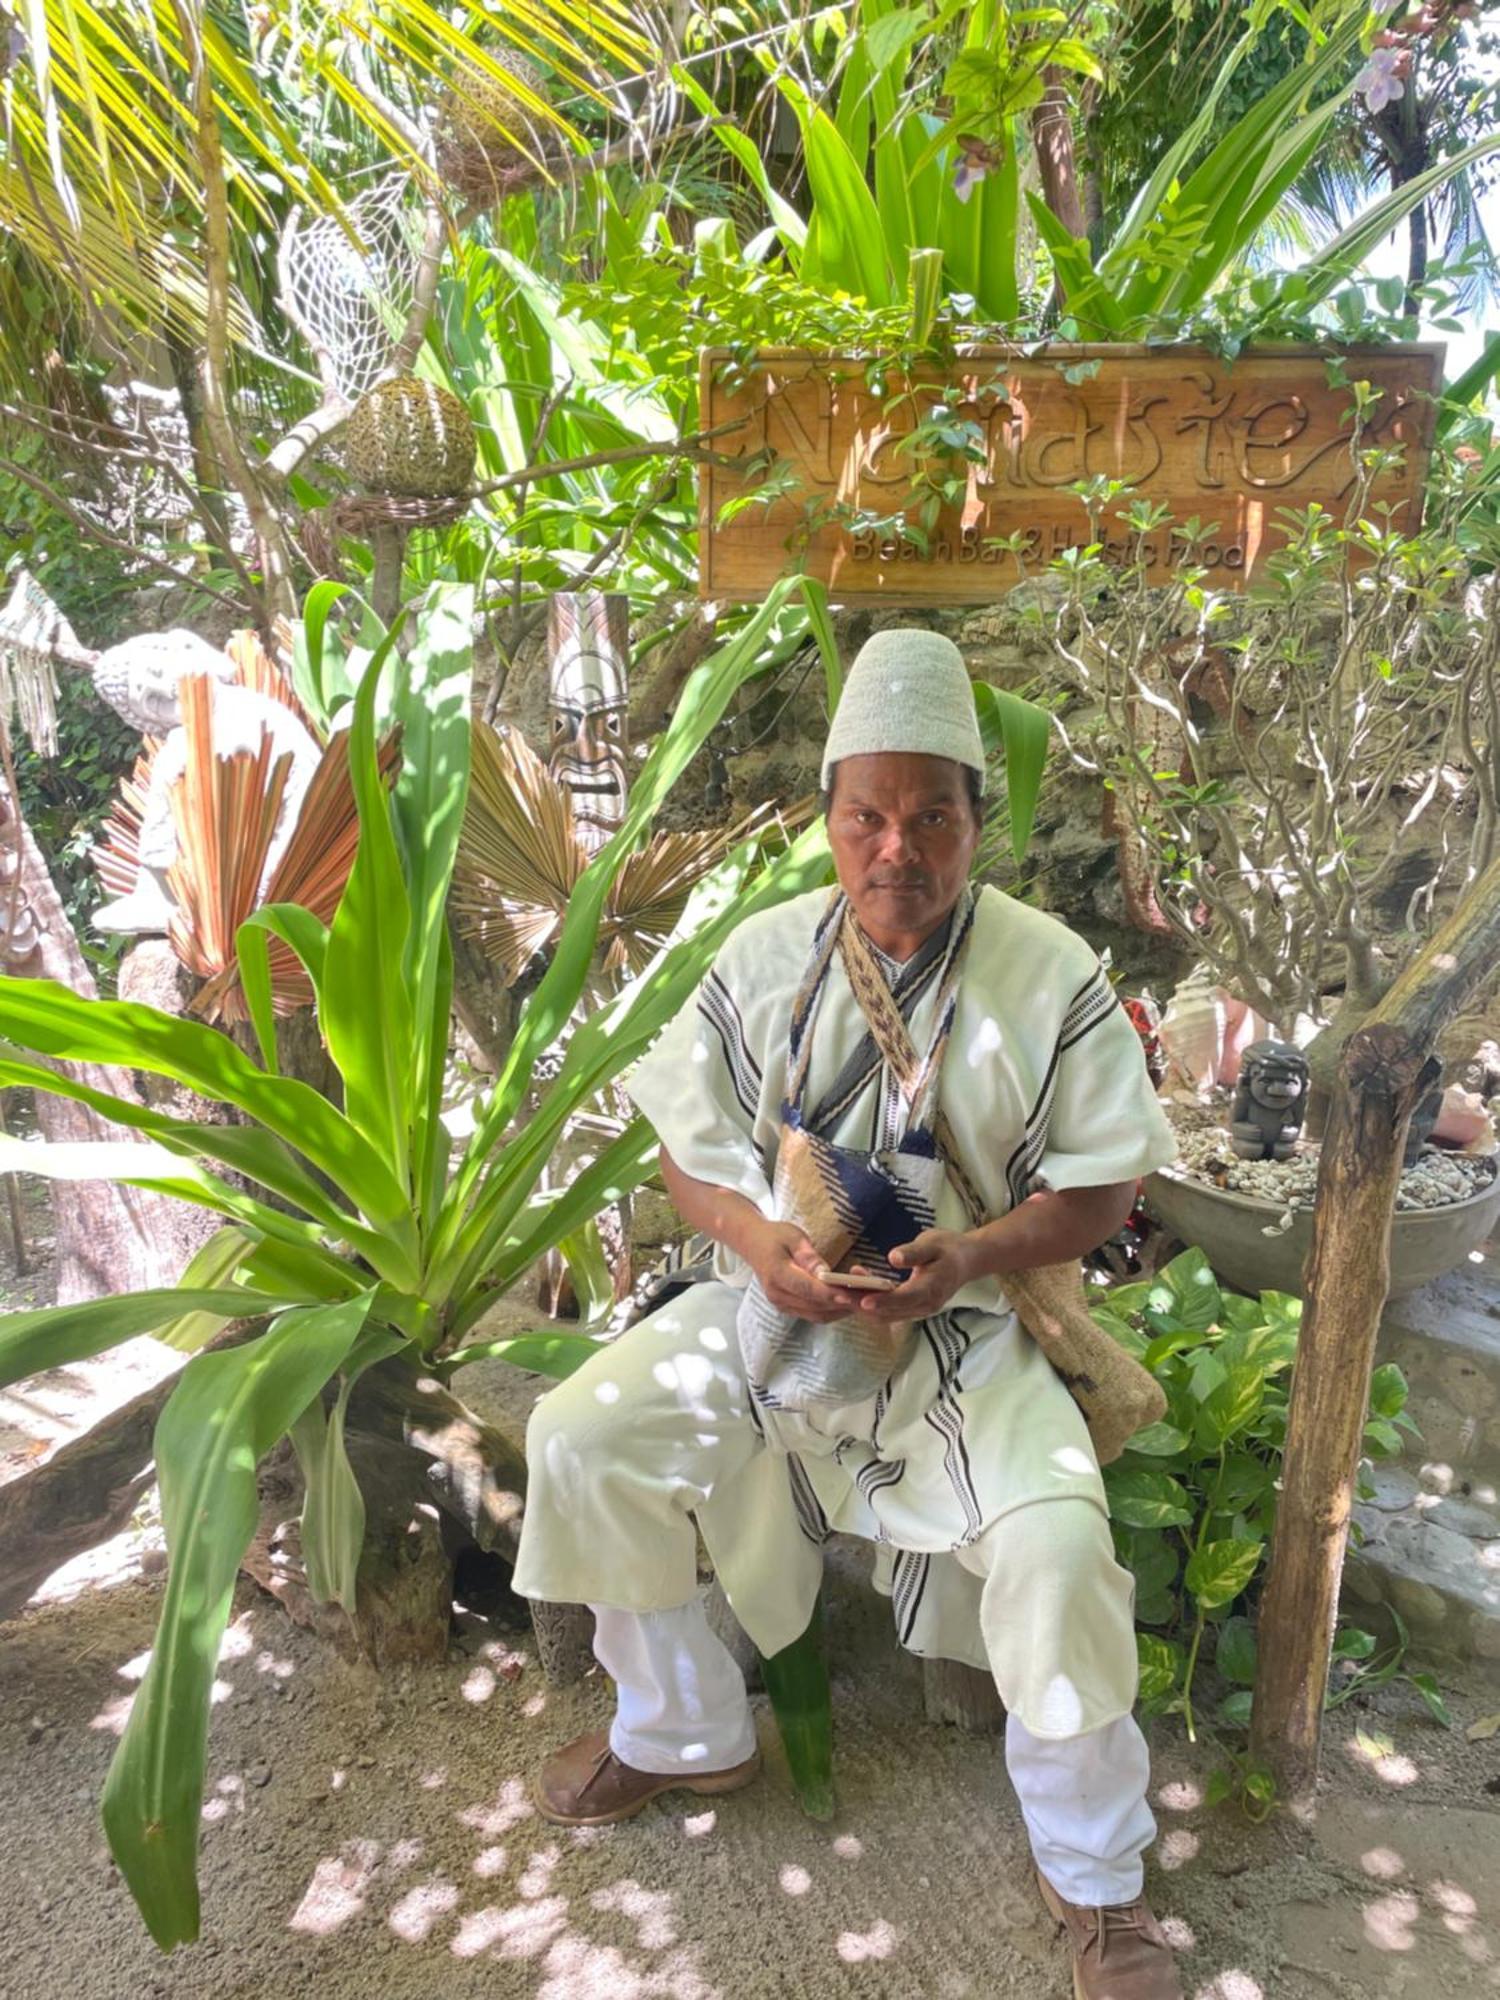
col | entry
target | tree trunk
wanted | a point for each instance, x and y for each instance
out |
(963, 1695)
(1387, 1066)
(84, 1493)
(1052, 135)
(87, 1490)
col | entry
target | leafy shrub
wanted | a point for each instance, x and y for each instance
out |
(1193, 1500)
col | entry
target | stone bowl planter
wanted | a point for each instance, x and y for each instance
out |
(1227, 1225)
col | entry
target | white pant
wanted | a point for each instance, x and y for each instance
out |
(681, 1705)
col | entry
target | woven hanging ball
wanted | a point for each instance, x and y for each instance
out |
(410, 438)
(478, 124)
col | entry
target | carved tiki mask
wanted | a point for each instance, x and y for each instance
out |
(587, 641)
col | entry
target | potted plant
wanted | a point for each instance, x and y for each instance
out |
(1301, 778)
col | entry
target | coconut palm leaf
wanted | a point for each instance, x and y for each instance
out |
(99, 175)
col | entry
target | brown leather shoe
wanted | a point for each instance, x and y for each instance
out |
(1120, 1951)
(587, 1785)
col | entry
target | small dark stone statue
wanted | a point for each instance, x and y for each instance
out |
(1270, 1101)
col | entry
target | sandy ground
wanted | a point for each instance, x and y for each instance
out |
(374, 1837)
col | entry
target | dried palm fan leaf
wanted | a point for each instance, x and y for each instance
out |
(255, 668)
(116, 855)
(312, 872)
(652, 889)
(225, 809)
(520, 858)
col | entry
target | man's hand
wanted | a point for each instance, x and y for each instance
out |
(787, 1266)
(941, 1262)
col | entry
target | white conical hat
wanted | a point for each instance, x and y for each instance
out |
(908, 690)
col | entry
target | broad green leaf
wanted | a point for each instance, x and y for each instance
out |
(1236, 1709)
(432, 707)
(1120, 1329)
(317, 674)
(622, 1166)
(212, 1266)
(1235, 1651)
(796, 1680)
(1155, 1605)
(40, 1015)
(258, 1155)
(1382, 1439)
(1244, 1480)
(1338, 259)
(1025, 730)
(226, 1412)
(1147, 1499)
(1152, 1559)
(1127, 1300)
(1427, 1687)
(52, 1336)
(1388, 1391)
(1232, 1407)
(593, 1286)
(1353, 1644)
(1467, 388)
(1161, 1662)
(333, 1507)
(1219, 1571)
(556, 1354)
(979, 237)
(1207, 1373)
(302, 933)
(1159, 1441)
(1269, 1347)
(846, 243)
(1187, 1291)
(367, 1006)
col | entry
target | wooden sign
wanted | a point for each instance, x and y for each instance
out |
(945, 489)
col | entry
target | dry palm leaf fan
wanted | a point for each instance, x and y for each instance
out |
(520, 857)
(225, 810)
(312, 872)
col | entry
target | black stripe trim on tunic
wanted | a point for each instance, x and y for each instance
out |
(1092, 1003)
(950, 1341)
(810, 1516)
(909, 1586)
(1091, 1022)
(717, 1007)
(874, 1477)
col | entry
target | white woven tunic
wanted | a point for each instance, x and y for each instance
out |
(1045, 1084)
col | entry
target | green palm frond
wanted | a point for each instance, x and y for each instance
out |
(99, 176)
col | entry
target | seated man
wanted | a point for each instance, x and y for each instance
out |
(779, 1404)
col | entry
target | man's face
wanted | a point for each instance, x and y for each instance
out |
(903, 834)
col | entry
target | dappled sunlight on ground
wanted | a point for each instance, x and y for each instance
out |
(372, 1837)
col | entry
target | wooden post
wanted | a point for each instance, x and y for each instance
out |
(1386, 1068)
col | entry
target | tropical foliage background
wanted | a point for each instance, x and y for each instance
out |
(222, 224)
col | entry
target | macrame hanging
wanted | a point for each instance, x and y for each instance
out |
(346, 284)
(31, 627)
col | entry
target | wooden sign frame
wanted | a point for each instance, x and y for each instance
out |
(1230, 444)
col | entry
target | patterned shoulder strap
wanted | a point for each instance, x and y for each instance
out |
(918, 1076)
